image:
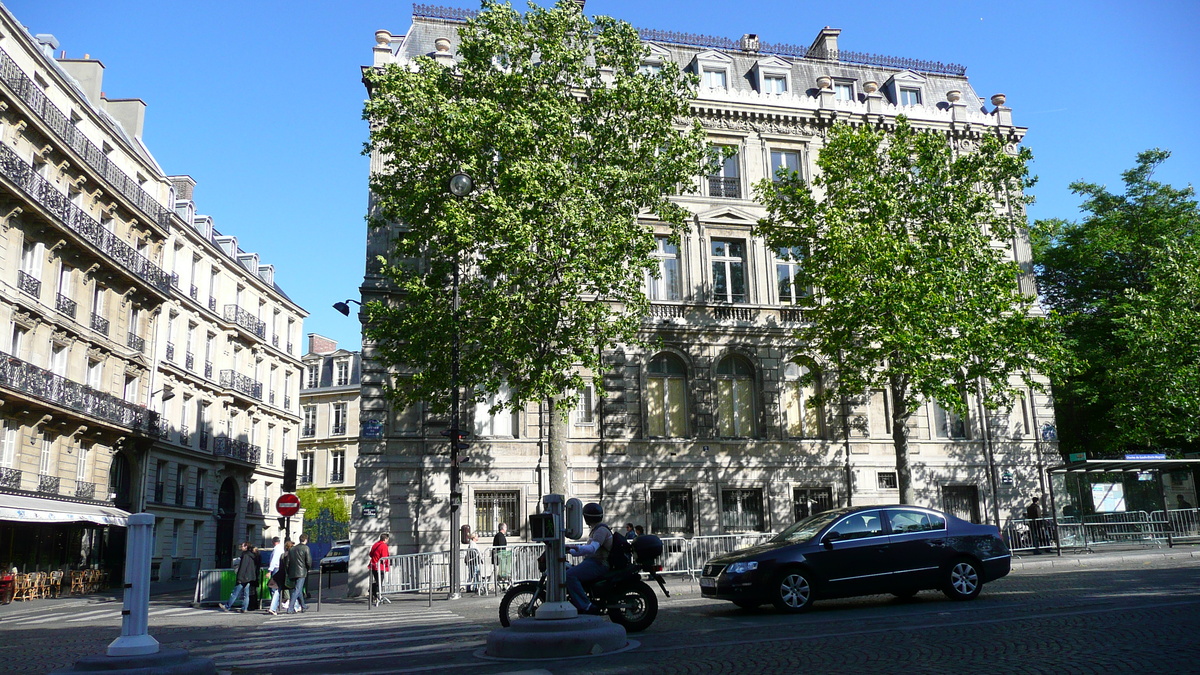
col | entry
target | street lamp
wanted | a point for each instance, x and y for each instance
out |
(344, 307)
(460, 185)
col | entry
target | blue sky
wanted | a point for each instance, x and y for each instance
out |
(260, 101)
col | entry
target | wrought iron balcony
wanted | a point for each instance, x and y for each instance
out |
(271, 398)
(308, 431)
(290, 350)
(136, 343)
(185, 436)
(204, 439)
(724, 186)
(212, 304)
(75, 219)
(15, 479)
(65, 305)
(48, 484)
(338, 430)
(10, 478)
(61, 124)
(159, 489)
(199, 500)
(174, 280)
(287, 402)
(85, 490)
(232, 379)
(28, 284)
(100, 324)
(179, 490)
(270, 457)
(194, 292)
(170, 352)
(337, 477)
(246, 320)
(275, 340)
(208, 369)
(223, 446)
(304, 480)
(189, 361)
(45, 385)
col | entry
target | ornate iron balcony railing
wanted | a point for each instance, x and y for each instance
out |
(338, 430)
(223, 446)
(246, 320)
(194, 292)
(10, 478)
(15, 479)
(204, 439)
(45, 385)
(337, 477)
(189, 361)
(65, 305)
(308, 431)
(100, 324)
(170, 352)
(271, 398)
(199, 502)
(179, 491)
(290, 351)
(287, 402)
(270, 457)
(304, 480)
(185, 436)
(208, 368)
(212, 304)
(35, 98)
(136, 342)
(159, 489)
(723, 186)
(238, 382)
(48, 484)
(42, 192)
(275, 340)
(29, 284)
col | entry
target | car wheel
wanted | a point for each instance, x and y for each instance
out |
(792, 591)
(962, 580)
(747, 604)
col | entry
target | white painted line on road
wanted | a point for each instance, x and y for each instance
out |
(288, 653)
(172, 610)
(288, 623)
(344, 638)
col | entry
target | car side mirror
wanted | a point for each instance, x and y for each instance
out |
(830, 538)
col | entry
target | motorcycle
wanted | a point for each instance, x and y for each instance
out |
(621, 593)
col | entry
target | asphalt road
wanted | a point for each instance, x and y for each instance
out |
(1116, 614)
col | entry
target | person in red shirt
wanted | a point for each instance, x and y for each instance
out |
(379, 565)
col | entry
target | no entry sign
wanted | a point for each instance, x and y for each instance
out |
(287, 504)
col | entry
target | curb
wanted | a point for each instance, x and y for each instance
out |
(1105, 558)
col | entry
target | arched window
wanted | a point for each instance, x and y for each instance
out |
(666, 397)
(735, 398)
(800, 418)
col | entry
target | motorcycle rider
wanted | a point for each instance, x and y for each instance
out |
(595, 564)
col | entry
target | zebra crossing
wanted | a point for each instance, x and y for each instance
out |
(313, 639)
(110, 613)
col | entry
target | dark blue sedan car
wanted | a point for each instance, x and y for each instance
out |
(861, 550)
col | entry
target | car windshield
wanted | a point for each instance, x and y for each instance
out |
(807, 528)
(337, 551)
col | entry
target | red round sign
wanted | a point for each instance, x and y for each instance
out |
(287, 504)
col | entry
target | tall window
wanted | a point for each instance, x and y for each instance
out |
(311, 372)
(843, 91)
(774, 84)
(306, 468)
(585, 410)
(17, 343)
(947, 424)
(337, 466)
(501, 423)
(786, 262)
(201, 487)
(910, 96)
(729, 270)
(880, 415)
(337, 419)
(44, 458)
(742, 510)
(727, 181)
(735, 398)
(666, 286)
(81, 465)
(58, 360)
(671, 512)
(32, 255)
(8, 445)
(715, 79)
(788, 160)
(342, 370)
(666, 397)
(801, 418)
(493, 508)
(310, 421)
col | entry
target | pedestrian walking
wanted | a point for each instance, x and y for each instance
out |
(247, 574)
(378, 565)
(272, 570)
(280, 595)
(299, 563)
(630, 531)
(1033, 514)
(501, 556)
(638, 531)
(471, 557)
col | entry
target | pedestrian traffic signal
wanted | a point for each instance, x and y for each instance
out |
(456, 439)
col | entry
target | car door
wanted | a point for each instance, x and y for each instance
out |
(918, 546)
(851, 556)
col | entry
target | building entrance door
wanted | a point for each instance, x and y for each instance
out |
(961, 501)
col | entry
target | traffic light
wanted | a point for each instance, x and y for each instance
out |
(289, 475)
(282, 522)
(456, 442)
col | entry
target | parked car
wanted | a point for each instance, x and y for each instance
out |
(338, 558)
(861, 550)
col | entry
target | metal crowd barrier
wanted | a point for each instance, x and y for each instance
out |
(1125, 528)
(1185, 523)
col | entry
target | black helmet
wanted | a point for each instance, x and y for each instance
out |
(593, 513)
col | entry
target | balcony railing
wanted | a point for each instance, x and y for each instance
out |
(45, 385)
(270, 457)
(199, 501)
(304, 480)
(185, 436)
(271, 398)
(159, 489)
(208, 369)
(35, 98)
(232, 379)
(723, 186)
(246, 320)
(99, 324)
(170, 352)
(28, 284)
(308, 431)
(15, 479)
(223, 446)
(136, 343)
(204, 439)
(179, 495)
(275, 340)
(189, 361)
(727, 312)
(337, 477)
(194, 292)
(290, 350)
(287, 402)
(41, 191)
(212, 304)
(65, 305)
(338, 430)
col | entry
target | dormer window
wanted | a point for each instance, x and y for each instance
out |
(650, 69)
(775, 84)
(843, 90)
(716, 79)
(653, 60)
(773, 76)
(909, 96)
(906, 88)
(713, 68)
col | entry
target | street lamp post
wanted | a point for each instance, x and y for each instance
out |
(460, 186)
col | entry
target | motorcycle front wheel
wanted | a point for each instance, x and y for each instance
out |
(520, 602)
(632, 605)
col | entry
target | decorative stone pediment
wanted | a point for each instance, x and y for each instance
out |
(907, 77)
(728, 215)
(657, 54)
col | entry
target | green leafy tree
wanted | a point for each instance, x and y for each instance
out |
(326, 515)
(1126, 283)
(568, 144)
(905, 243)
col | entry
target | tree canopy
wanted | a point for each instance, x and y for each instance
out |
(568, 142)
(1125, 281)
(906, 244)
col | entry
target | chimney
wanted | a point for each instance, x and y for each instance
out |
(825, 46)
(749, 42)
(48, 43)
(130, 113)
(184, 186)
(319, 344)
(88, 73)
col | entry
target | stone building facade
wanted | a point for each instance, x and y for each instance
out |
(709, 433)
(147, 359)
(329, 410)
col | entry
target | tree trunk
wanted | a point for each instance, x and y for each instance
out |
(556, 424)
(900, 415)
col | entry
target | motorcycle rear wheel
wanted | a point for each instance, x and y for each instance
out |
(520, 602)
(632, 605)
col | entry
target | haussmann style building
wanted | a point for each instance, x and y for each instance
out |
(149, 364)
(710, 433)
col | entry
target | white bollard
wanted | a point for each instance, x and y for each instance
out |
(135, 639)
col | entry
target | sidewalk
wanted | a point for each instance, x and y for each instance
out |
(1105, 557)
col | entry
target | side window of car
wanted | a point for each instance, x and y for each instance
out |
(859, 525)
(915, 521)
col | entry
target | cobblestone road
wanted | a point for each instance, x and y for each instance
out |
(1115, 614)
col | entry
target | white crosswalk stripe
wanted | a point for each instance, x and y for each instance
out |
(313, 638)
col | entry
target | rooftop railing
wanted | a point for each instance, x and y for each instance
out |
(42, 384)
